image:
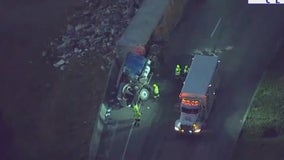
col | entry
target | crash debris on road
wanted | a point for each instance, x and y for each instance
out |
(212, 51)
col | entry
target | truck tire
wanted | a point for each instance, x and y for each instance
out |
(144, 94)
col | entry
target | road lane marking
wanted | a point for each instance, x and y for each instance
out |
(216, 26)
(127, 141)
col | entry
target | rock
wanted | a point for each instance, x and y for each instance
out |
(103, 68)
(197, 51)
(51, 43)
(62, 46)
(86, 12)
(44, 53)
(98, 31)
(90, 29)
(80, 26)
(218, 51)
(62, 67)
(104, 3)
(208, 50)
(77, 50)
(123, 1)
(59, 63)
(229, 48)
(65, 56)
(82, 42)
(92, 48)
(70, 29)
(112, 31)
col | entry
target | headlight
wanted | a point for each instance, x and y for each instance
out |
(196, 128)
(177, 126)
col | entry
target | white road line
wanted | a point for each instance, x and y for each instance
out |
(216, 26)
(126, 145)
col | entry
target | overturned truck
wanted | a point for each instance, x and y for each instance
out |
(129, 80)
(133, 80)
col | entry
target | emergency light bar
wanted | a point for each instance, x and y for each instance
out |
(190, 102)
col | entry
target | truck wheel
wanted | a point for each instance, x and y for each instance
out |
(144, 94)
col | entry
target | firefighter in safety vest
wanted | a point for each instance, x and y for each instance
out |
(178, 71)
(185, 70)
(137, 114)
(156, 90)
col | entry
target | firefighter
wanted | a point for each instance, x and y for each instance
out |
(185, 69)
(156, 90)
(137, 114)
(178, 71)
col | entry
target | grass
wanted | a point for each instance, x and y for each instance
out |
(266, 111)
(266, 114)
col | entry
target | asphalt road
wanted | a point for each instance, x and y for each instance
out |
(254, 32)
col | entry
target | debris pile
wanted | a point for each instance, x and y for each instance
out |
(93, 29)
(211, 51)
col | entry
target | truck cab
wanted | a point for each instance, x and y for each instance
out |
(198, 94)
(133, 80)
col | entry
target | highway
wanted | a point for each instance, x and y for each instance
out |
(254, 32)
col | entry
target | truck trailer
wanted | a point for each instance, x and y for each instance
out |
(198, 94)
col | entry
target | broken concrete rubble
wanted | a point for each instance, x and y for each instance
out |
(94, 29)
(59, 63)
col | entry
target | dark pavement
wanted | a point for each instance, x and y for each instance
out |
(255, 33)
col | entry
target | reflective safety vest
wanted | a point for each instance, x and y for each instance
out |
(156, 89)
(136, 109)
(178, 70)
(186, 69)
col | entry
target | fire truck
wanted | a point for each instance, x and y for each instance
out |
(198, 94)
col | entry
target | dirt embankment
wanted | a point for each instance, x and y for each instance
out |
(47, 113)
(48, 107)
